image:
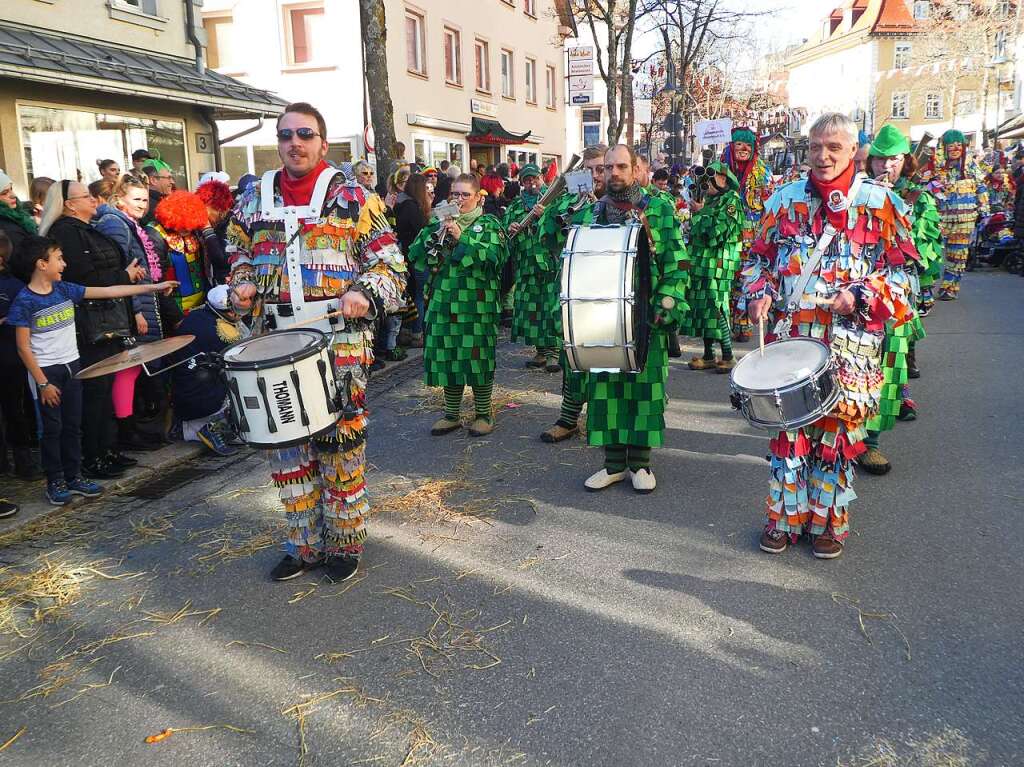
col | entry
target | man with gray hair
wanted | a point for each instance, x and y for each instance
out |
(852, 238)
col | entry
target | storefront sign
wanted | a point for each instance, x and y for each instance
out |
(714, 131)
(581, 98)
(642, 111)
(483, 108)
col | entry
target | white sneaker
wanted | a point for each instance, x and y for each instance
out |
(643, 480)
(603, 479)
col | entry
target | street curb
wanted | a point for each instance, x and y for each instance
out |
(162, 460)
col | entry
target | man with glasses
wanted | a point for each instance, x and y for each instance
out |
(349, 256)
(161, 183)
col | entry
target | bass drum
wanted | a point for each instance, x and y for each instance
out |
(281, 387)
(606, 297)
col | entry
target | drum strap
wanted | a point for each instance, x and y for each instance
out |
(827, 235)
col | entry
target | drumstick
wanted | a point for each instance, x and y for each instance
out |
(311, 320)
(760, 334)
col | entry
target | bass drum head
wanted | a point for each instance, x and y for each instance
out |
(783, 364)
(274, 348)
(642, 312)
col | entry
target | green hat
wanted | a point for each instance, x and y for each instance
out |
(889, 142)
(744, 135)
(953, 136)
(529, 170)
(721, 167)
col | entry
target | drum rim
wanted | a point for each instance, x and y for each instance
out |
(285, 359)
(817, 373)
(291, 442)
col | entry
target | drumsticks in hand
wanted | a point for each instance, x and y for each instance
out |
(760, 334)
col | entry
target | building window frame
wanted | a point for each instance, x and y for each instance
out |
(530, 70)
(419, 20)
(933, 105)
(288, 37)
(507, 58)
(231, 68)
(922, 10)
(120, 10)
(432, 139)
(901, 55)
(482, 65)
(900, 105)
(551, 86)
(530, 8)
(967, 103)
(451, 40)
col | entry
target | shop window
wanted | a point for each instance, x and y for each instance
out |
(306, 41)
(66, 143)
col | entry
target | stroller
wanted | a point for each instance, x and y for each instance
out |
(993, 243)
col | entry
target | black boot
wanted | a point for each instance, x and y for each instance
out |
(25, 465)
(673, 345)
(912, 370)
(128, 437)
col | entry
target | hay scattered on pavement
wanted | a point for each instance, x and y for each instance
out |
(14, 737)
(186, 611)
(949, 748)
(887, 617)
(66, 524)
(240, 643)
(169, 731)
(232, 541)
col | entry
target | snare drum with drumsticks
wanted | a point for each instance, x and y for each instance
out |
(282, 388)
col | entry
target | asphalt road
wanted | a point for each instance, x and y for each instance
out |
(520, 620)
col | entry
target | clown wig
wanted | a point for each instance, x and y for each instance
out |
(182, 211)
(217, 195)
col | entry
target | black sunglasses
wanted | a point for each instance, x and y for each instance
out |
(306, 134)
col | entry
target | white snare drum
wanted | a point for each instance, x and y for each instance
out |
(605, 298)
(283, 316)
(792, 385)
(282, 388)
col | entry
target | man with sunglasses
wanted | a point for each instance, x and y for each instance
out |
(350, 258)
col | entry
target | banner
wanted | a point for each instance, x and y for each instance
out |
(714, 131)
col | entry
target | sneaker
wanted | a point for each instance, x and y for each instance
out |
(908, 410)
(57, 492)
(84, 488)
(774, 541)
(826, 547)
(119, 460)
(292, 567)
(100, 469)
(7, 509)
(602, 479)
(643, 480)
(214, 441)
(341, 567)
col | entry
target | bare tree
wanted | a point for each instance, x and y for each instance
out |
(958, 50)
(617, 20)
(373, 23)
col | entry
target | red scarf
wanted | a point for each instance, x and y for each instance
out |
(299, 191)
(841, 183)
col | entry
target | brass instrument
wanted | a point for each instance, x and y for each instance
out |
(556, 188)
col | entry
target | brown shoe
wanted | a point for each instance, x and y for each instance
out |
(774, 541)
(558, 434)
(724, 366)
(699, 363)
(874, 462)
(481, 427)
(444, 426)
(536, 361)
(826, 547)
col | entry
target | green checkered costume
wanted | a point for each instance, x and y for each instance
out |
(716, 238)
(464, 302)
(537, 282)
(626, 410)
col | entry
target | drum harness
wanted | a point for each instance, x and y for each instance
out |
(784, 325)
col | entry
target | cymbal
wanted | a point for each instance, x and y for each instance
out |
(136, 355)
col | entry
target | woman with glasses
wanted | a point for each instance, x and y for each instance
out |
(464, 256)
(93, 260)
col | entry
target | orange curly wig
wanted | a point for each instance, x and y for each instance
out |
(182, 211)
(217, 195)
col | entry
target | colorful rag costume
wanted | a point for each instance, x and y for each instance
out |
(178, 218)
(348, 245)
(626, 411)
(811, 475)
(716, 234)
(755, 186)
(536, 279)
(464, 307)
(962, 197)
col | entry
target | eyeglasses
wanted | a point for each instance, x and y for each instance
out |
(306, 134)
(164, 178)
(80, 197)
(463, 194)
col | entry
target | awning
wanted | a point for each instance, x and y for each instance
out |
(26, 54)
(490, 132)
